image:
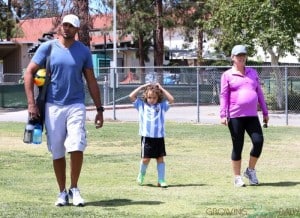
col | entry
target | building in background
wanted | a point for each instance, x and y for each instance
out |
(14, 56)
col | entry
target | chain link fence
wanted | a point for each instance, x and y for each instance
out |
(201, 85)
(189, 85)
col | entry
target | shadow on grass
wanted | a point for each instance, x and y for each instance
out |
(280, 184)
(121, 202)
(175, 185)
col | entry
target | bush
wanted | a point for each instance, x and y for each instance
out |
(271, 102)
(294, 102)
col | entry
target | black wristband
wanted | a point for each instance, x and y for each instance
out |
(100, 109)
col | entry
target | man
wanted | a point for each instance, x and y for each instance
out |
(69, 60)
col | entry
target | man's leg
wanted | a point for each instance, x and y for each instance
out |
(76, 161)
(59, 166)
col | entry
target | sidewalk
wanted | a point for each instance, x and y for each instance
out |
(177, 113)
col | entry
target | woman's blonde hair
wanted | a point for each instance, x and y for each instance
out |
(155, 89)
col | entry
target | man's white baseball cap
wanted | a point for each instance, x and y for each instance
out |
(72, 19)
(239, 49)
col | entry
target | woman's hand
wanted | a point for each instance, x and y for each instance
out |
(224, 121)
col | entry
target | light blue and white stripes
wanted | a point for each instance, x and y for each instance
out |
(152, 118)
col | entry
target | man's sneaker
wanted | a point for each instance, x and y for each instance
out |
(238, 182)
(74, 193)
(62, 199)
(140, 179)
(251, 175)
(162, 183)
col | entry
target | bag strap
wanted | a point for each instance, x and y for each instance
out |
(48, 75)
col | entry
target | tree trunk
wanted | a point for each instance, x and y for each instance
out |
(199, 54)
(81, 8)
(200, 47)
(159, 48)
(141, 57)
(9, 17)
(278, 79)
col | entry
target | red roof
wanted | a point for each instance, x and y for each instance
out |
(33, 29)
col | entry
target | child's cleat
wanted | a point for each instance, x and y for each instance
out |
(162, 183)
(140, 179)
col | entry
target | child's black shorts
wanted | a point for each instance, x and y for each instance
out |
(152, 147)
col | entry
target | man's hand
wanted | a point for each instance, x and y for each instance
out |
(99, 119)
(33, 111)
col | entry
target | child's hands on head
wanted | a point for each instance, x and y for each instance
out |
(158, 85)
(145, 86)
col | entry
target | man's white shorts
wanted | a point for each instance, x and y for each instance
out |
(65, 128)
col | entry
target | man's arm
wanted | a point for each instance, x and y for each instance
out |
(29, 87)
(95, 94)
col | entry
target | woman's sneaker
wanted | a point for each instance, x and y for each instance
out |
(251, 175)
(238, 182)
(63, 199)
(74, 193)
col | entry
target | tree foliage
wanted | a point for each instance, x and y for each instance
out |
(146, 21)
(7, 21)
(81, 9)
(193, 15)
(270, 24)
(137, 18)
(30, 9)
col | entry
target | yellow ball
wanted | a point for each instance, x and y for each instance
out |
(40, 77)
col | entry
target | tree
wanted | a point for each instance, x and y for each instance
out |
(146, 21)
(30, 9)
(81, 8)
(7, 21)
(137, 19)
(270, 24)
(193, 15)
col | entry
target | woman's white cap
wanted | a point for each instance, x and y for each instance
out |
(72, 19)
(239, 49)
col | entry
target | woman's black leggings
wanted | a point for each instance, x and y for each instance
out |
(237, 127)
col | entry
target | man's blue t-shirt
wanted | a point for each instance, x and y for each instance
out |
(66, 67)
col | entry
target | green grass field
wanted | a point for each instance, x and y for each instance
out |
(198, 171)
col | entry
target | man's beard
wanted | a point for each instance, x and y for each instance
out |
(68, 36)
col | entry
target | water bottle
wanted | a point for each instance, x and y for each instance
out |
(37, 134)
(28, 133)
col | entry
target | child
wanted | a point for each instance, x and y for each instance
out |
(152, 108)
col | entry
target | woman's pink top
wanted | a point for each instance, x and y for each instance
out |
(240, 94)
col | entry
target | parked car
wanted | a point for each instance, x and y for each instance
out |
(168, 78)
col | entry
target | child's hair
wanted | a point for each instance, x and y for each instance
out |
(153, 88)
